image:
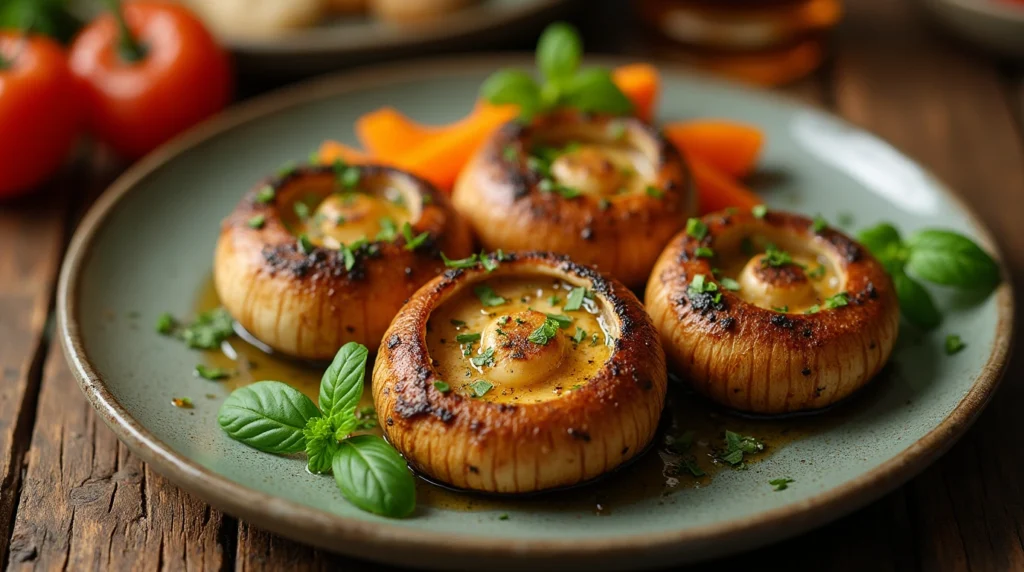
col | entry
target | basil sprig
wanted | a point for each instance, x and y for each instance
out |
(276, 418)
(939, 256)
(559, 52)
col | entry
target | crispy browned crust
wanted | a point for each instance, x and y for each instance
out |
(516, 448)
(308, 305)
(500, 199)
(758, 360)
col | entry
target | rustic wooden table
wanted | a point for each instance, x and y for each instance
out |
(73, 497)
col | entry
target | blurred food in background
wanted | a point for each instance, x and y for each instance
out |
(995, 25)
(767, 42)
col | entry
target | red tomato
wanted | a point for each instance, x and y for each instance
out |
(182, 77)
(39, 113)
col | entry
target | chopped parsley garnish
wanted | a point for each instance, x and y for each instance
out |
(484, 359)
(388, 230)
(554, 300)
(817, 273)
(301, 210)
(759, 211)
(510, 154)
(700, 285)
(467, 338)
(457, 323)
(562, 320)
(690, 464)
(442, 386)
(654, 192)
(594, 339)
(305, 246)
(737, 445)
(348, 177)
(165, 323)
(487, 295)
(813, 309)
(954, 344)
(503, 516)
(616, 130)
(704, 252)
(211, 373)
(480, 387)
(729, 283)
(782, 309)
(490, 263)
(580, 335)
(819, 224)
(257, 222)
(774, 257)
(696, 228)
(468, 262)
(781, 484)
(503, 320)
(347, 255)
(413, 242)
(265, 194)
(604, 204)
(545, 332)
(287, 169)
(575, 299)
(208, 330)
(837, 301)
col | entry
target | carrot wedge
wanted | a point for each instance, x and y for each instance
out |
(387, 132)
(331, 151)
(717, 190)
(641, 84)
(729, 146)
(440, 158)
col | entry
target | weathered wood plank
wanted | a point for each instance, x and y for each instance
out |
(259, 550)
(950, 109)
(32, 233)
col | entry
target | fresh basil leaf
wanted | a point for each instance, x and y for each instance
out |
(268, 415)
(559, 51)
(515, 87)
(593, 91)
(374, 477)
(880, 239)
(342, 384)
(951, 259)
(916, 302)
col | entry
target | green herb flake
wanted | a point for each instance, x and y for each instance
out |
(480, 387)
(457, 323)
(208, 330)
(817, 273)
(729, 284)
(562, 320)
(503, 516)
(510, 154)
(301, 210)
(305, 246)
(616, 130)
(211, 373)
(388, 230)
(819, 224)
(604, 204)
(468, 262)
(700, 285)
(782, 309)
(775, 258)
(485, 359)
(737, 445)
(594, 339)
(413, 242)
(266, 194)
(690, 464)
(545, 332)
(487, 296)
(813, 309)
(696, 228)
(467, 338)
(349, 177)
(554, 300)
(838, 301)
(759, 211)
(655, 192)
(490, 263)
(165, 324)
(442, 386)
(954, 344)
(781, 484)
(575, 299)
(348, 256)
(704, 252)
(257, 222)
(579, 336)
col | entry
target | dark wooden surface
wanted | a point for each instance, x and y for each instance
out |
(72, 497)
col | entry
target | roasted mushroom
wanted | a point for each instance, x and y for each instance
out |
(772, 314)
(521, 374)
(320, 256)
(606, 191)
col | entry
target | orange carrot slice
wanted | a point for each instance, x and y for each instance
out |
(717, 190)
(440, 157)
(387, 132)
(641, 84)
(331, 151)
(729, 146)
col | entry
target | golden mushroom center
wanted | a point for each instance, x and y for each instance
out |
(512, 340)
(602, 170)
(795, 281)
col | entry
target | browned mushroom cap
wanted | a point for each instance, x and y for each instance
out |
(479, 387)
(606, 191)
(308, 261)
(769, 316)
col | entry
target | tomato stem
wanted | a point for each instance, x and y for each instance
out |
(128, 47)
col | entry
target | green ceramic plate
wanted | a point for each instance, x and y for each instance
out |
(146, 247)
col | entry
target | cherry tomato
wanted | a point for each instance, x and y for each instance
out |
(137, 101)
(39, 111)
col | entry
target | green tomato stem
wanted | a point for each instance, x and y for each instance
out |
(128, 47)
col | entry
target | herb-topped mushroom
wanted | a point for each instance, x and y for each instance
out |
(519, 373)
(771, 312)
(576, 173)
(318, 256)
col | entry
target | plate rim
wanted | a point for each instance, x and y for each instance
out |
(378, 540)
